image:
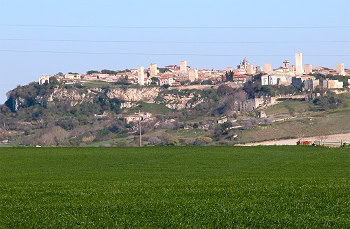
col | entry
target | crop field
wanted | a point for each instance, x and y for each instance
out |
(176, 187)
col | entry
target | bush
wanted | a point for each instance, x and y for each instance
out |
(155, 141)
(173, 142)
(203, 141)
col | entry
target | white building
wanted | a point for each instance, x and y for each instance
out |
(265, 80)
(335, 84)
(44, 79)
(164, 81)
(275, 79)
(71, 76)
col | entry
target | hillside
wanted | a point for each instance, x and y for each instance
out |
(57, 114)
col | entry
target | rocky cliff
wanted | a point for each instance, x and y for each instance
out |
(32, 94)
(71, 96)
(147, 95)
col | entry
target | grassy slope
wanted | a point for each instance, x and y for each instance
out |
(306, 123)
(97, 84)
(288, 106)
(175, 187)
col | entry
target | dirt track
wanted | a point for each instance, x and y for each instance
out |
(329, 138)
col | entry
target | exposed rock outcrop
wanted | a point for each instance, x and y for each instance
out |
(134, 94)
(71, 96)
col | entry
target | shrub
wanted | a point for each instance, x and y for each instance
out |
(203, 141)
(173, 142)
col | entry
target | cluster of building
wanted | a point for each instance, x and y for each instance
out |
(71, 78)
(173, 75)
(301, 76)
(137, 117)
(298, 75)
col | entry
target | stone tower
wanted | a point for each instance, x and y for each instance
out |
(299, 64)
(341, 69)
(183, 66)
(153, 70)
(267, 68)
(141, 76)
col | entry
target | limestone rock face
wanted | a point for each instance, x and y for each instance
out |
(147, 95)
(71, 96)
(181, 102)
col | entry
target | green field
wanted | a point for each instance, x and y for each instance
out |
(180, 187)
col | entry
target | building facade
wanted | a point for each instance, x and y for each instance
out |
(308, 69)
(193, 75)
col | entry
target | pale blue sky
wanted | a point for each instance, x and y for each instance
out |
(22, 68)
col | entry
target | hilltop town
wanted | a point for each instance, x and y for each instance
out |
(174, 75)
(178, 105)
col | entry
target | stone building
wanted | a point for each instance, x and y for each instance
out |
(308, 69)
(193, 75)
(243, 65)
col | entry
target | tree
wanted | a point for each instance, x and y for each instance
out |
(109, 72)
(123, 81)
(330, 101)
(207, 82)
(53, 81)
(155, 81)
(229, 76)
(226, 125)
(92, 72)
(225, 90)
(322, 135)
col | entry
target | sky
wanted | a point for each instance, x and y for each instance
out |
(101, 21)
